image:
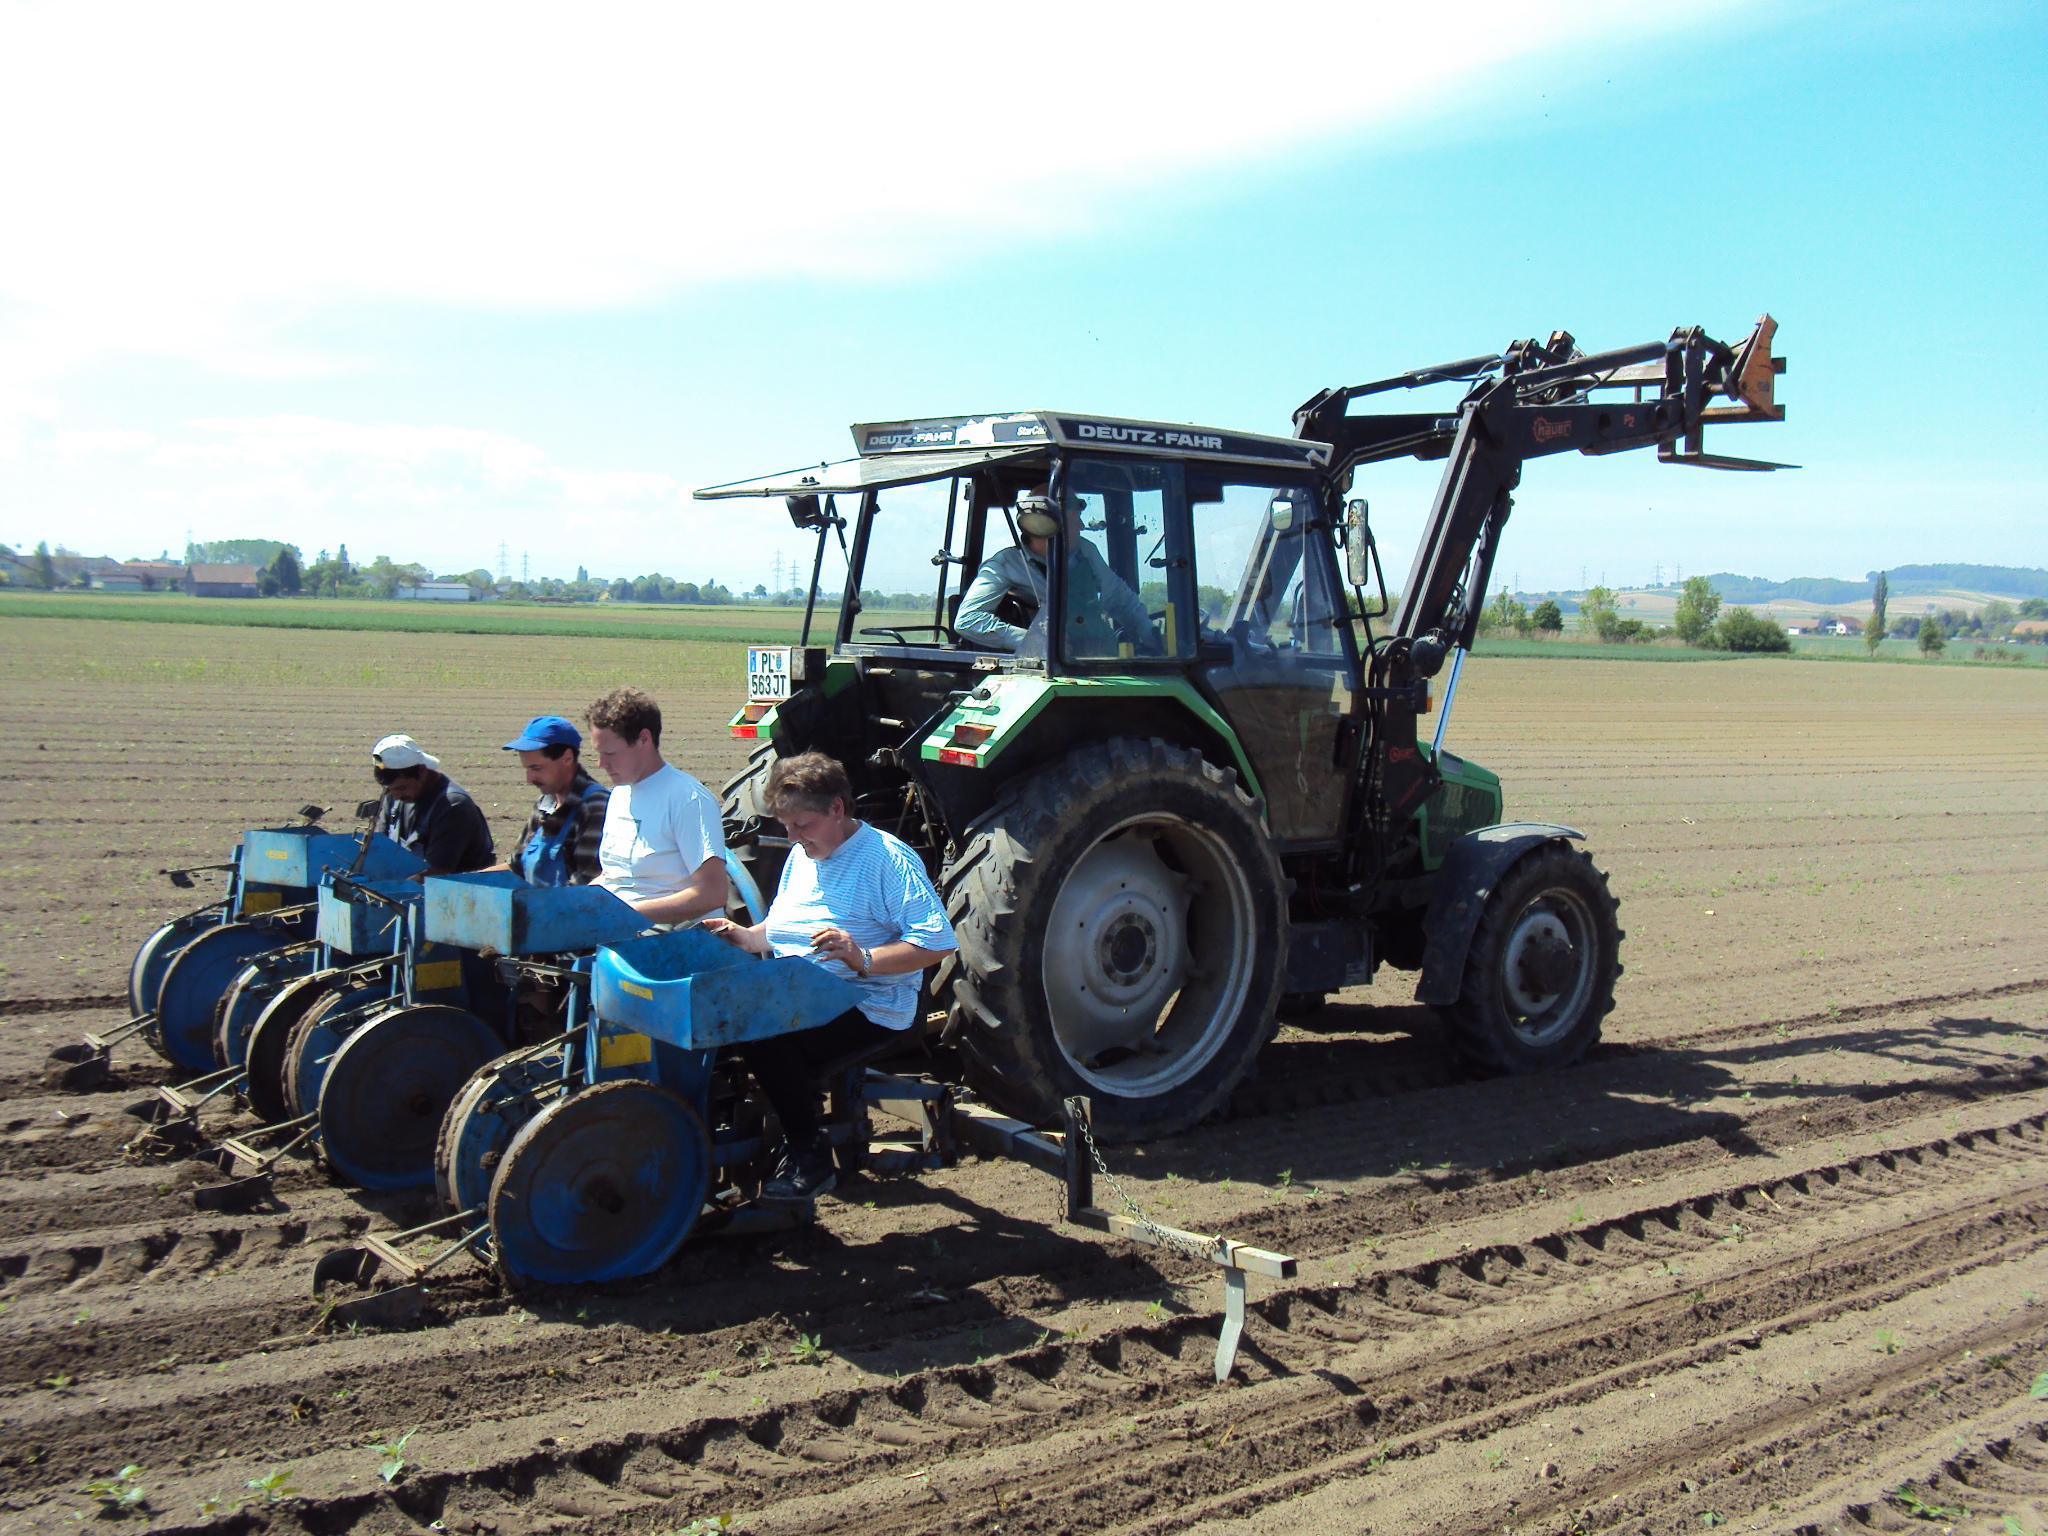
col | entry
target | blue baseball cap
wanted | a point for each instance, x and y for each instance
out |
(546, 731)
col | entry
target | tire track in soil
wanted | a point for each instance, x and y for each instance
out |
(1314, 1075)
(795, 1452)
(2010, 1470)
(1046, 1270)
(29, 1145)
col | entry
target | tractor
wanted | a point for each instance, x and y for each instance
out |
(1156, 837)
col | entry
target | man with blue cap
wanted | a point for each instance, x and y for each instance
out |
(562, 836)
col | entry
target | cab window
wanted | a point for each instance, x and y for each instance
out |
(909, 576)
(1119, 602)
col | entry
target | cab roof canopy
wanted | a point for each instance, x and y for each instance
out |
(903, 452)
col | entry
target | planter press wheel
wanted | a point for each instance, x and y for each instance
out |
(603, 1184)
(146, 971)
(195, 981)
(487, 1113)
(317, 1036)
(263, 1055)
(247, 999)
(384, 1094)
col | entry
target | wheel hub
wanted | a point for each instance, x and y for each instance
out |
(1540, 962)
(1129, 947)
(1116, 948)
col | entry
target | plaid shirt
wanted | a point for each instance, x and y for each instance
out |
(584, 803)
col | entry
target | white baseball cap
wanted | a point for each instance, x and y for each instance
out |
(402, 752)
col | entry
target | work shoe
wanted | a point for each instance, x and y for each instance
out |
(802, 1175)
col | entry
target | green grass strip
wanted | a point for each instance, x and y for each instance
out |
(638, 622)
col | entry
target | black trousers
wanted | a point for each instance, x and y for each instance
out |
(786, 1065)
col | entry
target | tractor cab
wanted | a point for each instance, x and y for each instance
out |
(1147, 552)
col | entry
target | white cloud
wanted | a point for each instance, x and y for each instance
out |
(443, 495)
(181, 178)
(95, 445)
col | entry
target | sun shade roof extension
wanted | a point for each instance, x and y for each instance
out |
(853, 475)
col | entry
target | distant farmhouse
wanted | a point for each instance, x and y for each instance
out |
(157, 575)
(439, 592)
(221, 581)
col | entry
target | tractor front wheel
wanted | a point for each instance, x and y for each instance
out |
(1119, 915)
(1540, 973)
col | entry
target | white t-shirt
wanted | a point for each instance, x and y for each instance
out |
(875, 888)
(657, 833)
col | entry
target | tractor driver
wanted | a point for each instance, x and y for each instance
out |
(663, 846)
(1102, 610)
(857, 902)
(425, 810)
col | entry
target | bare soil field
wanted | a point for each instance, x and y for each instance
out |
(1774, 1257)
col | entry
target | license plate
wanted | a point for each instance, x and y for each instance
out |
(767, 673)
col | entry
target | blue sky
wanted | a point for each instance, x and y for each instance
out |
(426, 287)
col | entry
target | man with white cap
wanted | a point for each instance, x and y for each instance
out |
(428, 812)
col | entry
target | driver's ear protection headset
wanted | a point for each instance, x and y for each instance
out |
(1035, 515)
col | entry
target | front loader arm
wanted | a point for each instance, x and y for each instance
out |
(1532, 400)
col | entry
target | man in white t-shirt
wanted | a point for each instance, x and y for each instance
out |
(663, 850)
(858, 902)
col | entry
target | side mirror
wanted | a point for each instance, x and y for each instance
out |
(804, 511)
(1357, 544)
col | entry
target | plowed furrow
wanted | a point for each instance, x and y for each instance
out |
(1312, 1402)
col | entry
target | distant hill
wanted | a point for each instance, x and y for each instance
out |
(1906, 581)
(2001, 580)
(1804, 589)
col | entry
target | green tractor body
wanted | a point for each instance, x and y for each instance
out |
(1170, 782)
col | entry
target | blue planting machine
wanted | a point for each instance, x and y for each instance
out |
(354, 1041)
(357, 1046)
(181, 972)
(594, 1155)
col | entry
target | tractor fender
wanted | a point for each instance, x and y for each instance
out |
(1469, 874)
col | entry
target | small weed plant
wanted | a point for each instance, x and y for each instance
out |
(391, 1462)
(1921, 1509)
(120, 1495)
(809, 1349)
(271, 1487)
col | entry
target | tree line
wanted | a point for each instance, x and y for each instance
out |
(1698, 621)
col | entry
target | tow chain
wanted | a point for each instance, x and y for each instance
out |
(1166, 1237)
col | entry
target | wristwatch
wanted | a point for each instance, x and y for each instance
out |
(867, 962)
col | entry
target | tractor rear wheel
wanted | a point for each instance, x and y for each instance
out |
(1540, 973)
(745, 813)
(1119, 914)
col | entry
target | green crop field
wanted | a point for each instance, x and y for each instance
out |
(738, 624)
(760, 624)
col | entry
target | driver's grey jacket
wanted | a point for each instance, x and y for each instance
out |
(1017, 570)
